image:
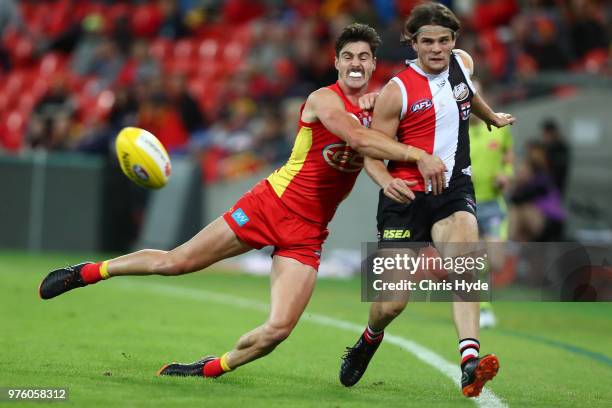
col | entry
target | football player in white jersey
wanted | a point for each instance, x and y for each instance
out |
(428, 106)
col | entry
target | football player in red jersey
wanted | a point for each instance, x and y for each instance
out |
(289, 210)
(427, 106)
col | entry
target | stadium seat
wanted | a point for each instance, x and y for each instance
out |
(14, 83)
(146, 20)
(595, 61)
(51, 63)
(184, 49)
(208, 48)
(26, 103)
(12, 128)
(233, 52)
(22, 53)
(4, 101)
(160, 48)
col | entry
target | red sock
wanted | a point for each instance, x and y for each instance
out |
(91, 273)
(213, 368)
(372, 336)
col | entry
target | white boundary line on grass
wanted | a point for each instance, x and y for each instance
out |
(486, 400)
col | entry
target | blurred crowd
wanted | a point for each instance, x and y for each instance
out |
(536, 198)
(223, 81)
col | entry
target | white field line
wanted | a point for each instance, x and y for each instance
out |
(486, 400)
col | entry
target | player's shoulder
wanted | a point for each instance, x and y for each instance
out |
(393, 87)
(465, 58)
(319, 100)
(391, 98)
(323, 94)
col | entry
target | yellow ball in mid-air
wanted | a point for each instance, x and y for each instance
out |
(143, 158)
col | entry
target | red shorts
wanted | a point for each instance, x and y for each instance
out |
(259, 219)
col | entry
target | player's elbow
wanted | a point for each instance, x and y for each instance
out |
(358, 140)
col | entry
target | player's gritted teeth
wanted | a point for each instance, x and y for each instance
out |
(356, 75)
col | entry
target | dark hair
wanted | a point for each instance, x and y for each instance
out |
(550, 125)
(429, 14)
(358, 32)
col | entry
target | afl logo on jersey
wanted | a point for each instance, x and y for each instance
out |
(341, 157)
(421, 105)
(461, 92)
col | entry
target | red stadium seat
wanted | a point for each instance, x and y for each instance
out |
(183, 66)
(208, 48)
(14, 83)
(595, 61)
(208, 71)
(184, 49)
(4, 101)
(51, 63)
(233, 52)
(12, 129)
(22, 51)
(118, 10)
(242, 34)
(26, 102)
(160, 48)
(146, 20)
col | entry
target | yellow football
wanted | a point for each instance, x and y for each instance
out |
(143, 158)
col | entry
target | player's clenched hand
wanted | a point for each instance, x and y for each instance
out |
(367, 101)
(500, 120)
(432, 169)
(399, 190)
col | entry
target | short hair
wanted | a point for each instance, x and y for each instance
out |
(429, 14)
(358, 32)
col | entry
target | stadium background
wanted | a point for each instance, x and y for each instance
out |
(220, 83)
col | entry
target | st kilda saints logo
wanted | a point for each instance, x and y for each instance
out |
(342, 157)
(461, 92)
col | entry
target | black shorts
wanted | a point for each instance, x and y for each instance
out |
(412, 222)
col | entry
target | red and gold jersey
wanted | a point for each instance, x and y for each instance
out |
(322, 168)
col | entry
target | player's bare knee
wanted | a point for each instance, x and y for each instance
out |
(171, 265)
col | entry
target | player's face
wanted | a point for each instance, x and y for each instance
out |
(433, 46)
(355, 64)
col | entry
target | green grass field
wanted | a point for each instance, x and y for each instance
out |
(106, 342)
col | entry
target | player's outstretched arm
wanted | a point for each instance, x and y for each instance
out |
(498, 119)
(480, 107)
(326, 106)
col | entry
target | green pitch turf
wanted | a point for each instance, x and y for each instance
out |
(106, 342)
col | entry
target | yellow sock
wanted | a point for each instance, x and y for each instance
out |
(223, 362)
(104, 270)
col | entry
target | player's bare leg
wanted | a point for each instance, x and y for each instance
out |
(292, 284)
(215, 242)
(357, 358)
(383, 313)
(461, 227)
